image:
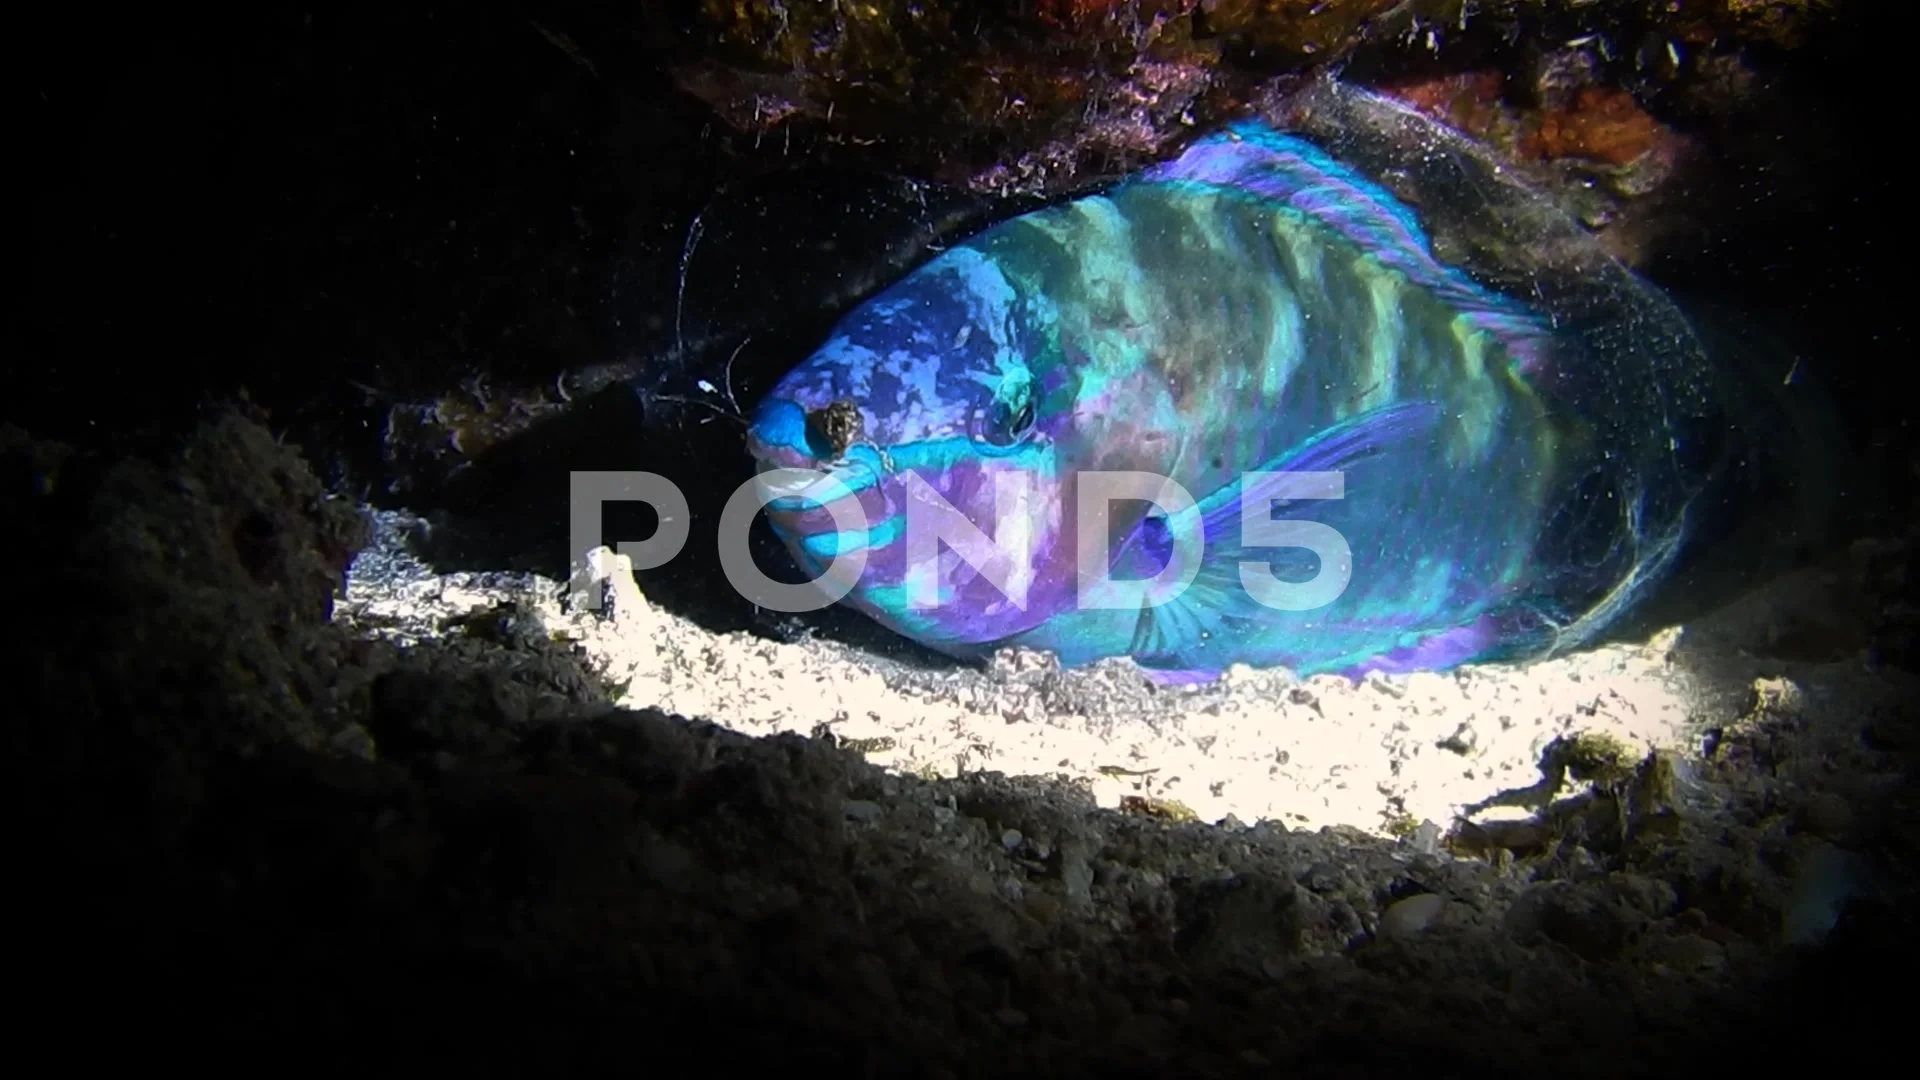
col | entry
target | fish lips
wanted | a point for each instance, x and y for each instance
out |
(804, 500)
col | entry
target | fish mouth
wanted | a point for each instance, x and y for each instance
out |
(791, 472)
(824, 513)
(798, 484)
(820, 506)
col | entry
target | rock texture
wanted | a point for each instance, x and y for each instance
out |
(1035, 96)
(253, 826)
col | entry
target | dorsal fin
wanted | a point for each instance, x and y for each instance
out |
(1292, 173)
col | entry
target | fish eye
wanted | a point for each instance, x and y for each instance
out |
(1006, 420)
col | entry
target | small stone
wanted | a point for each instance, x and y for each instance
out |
(1076, 872)
(1463, 741)
(1408, 917)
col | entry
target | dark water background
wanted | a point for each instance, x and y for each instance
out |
(339, 211)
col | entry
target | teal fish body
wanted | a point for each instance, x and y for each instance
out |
(1271, 332)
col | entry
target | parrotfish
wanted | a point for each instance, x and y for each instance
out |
(1271, 331)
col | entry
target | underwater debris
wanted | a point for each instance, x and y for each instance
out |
(1165, 809)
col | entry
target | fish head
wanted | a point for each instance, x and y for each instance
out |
(934, 412)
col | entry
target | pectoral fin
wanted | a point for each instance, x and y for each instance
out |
(1178, 632)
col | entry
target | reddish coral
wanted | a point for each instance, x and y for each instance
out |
(1469, 102)
(1602, 124)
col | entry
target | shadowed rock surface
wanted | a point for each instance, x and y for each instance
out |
(249, 829)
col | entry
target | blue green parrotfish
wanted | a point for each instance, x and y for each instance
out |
(1254, 305)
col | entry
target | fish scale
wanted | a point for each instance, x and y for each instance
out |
(1252, 306)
